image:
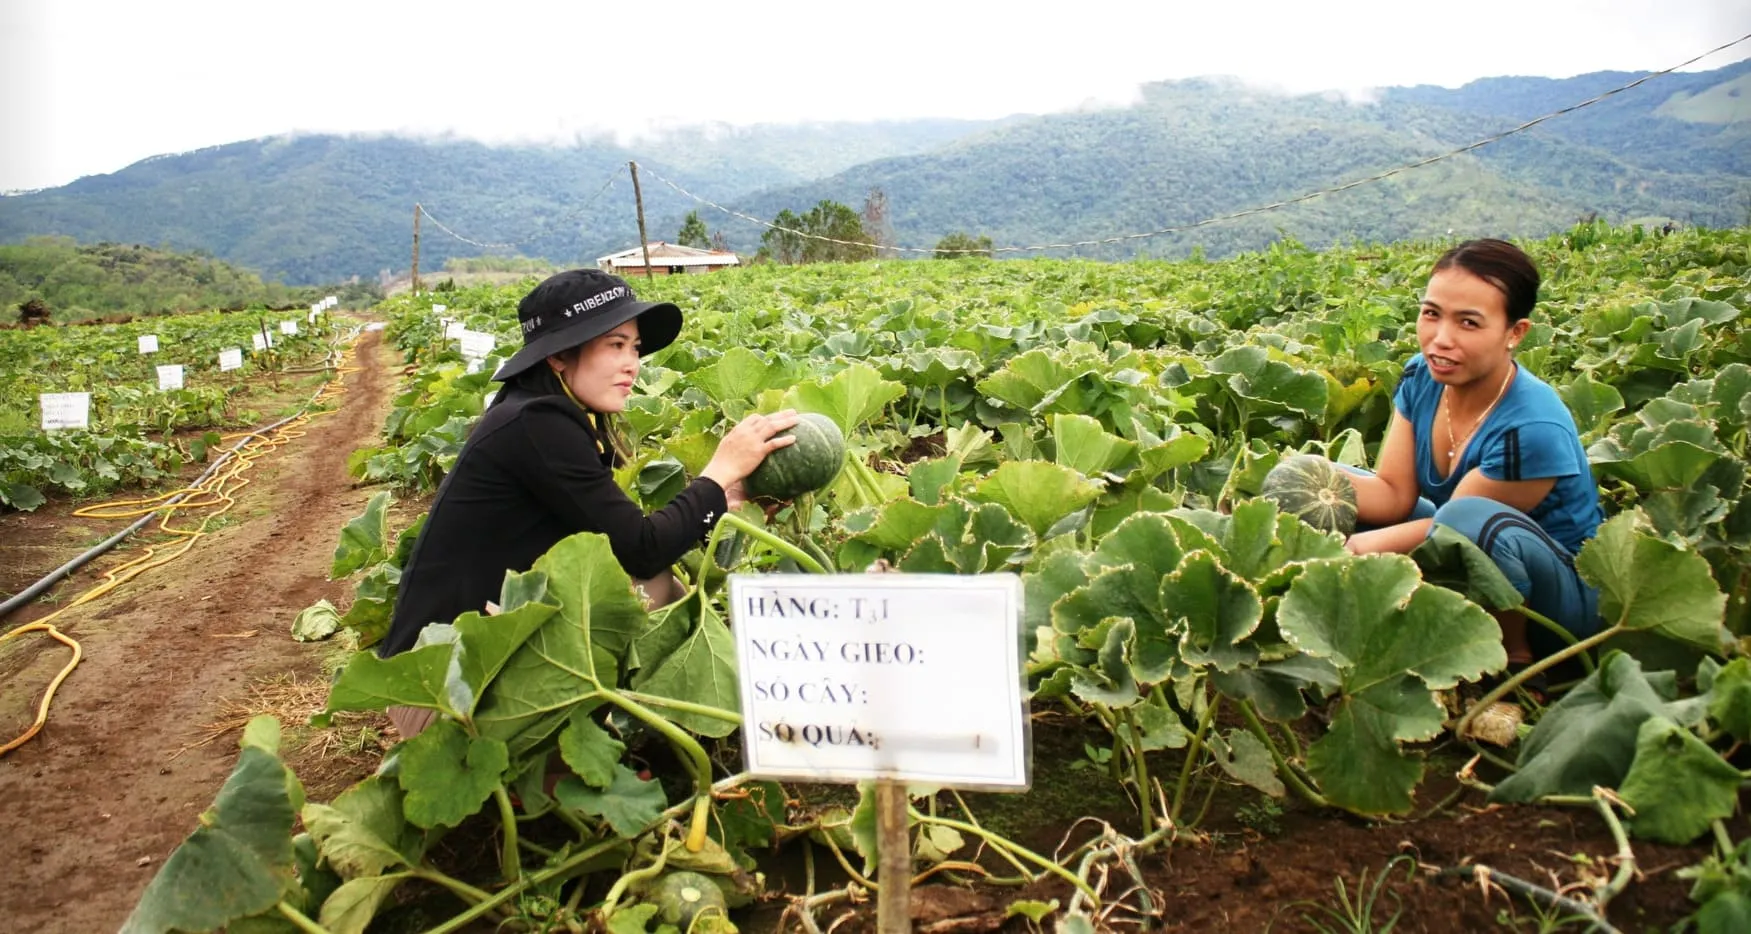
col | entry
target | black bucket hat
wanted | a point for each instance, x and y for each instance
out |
(571, 307)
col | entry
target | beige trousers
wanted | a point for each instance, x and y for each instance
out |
(657, 592)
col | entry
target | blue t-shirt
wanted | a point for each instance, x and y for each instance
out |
(1530, 435)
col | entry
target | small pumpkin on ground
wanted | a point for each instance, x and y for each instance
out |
(1314, 490)
(681, 897)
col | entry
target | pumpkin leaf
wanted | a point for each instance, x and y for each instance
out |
(1394, 642)
(1037, 492)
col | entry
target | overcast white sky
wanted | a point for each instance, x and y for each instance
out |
(90, 86)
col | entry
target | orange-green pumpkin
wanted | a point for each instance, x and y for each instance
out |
(1314, 490)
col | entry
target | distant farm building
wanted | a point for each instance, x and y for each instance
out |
(667, 259)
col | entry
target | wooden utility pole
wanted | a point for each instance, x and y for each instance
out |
(416, 248)
(638, 199)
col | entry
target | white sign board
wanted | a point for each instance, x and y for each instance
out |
(231, 358)
(288, 327)
(261, 341)
(440, 309)
(477, 344)
(331, 300)
(66, 410)
(170, 376)
(913, 677)
(454, 330)
(148, 343)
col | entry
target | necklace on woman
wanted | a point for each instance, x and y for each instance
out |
(1453, 443)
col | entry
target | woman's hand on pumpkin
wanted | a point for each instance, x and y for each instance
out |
(747, 445)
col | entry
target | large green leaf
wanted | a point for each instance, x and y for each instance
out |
(737, 376)
(1026, 379)
(900, 524)
(1037, 492)
(552, 670)
(1083, 445)
(352, 907)
(1729, 703)
(418, 677)
(1275, 687)
(240, 861)
(701, 671)
(851, 397)
(628, 804)
(1246, 760)
(484, 644)
(1647, 583)
(364, 540)
(1592, 404)
(1656, 454)
(595, 597)
(1109, 680)
(1265, 385)
(1448, 559)
(364, 832)
(1677, 785)
(1217, 609)
(448, 774)
(1588, 737)
(1048, 580)
(1395, 641)
(589, 750)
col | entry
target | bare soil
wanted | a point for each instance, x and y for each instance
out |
(97, 800)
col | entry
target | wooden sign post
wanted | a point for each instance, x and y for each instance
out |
(890, 678)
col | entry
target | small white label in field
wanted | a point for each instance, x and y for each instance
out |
(454, 330)
(231, 358)
(148, 343)
(170, 376)
(476, 344)
(440, 309)
(66, 410)
(331, 300)
(288, 327)
(914, 677)
(260, 341)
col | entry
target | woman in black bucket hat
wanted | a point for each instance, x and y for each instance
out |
(538, 466)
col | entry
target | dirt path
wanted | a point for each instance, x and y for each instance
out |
(90, 808)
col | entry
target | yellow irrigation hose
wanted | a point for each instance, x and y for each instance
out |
(217, 490)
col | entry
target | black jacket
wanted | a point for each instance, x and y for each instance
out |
(531, 473)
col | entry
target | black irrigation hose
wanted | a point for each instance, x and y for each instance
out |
(1536, 893)
(49, 580)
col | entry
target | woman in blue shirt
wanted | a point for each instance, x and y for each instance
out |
(1481, 445)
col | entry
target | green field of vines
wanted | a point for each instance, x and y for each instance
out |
(1102, 431)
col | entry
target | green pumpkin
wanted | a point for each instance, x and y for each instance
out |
(804, 467)
(682, 896)
(1314, 490)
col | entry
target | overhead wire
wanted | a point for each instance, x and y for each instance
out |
(540, 232)
(1221, 218)
(217, 487)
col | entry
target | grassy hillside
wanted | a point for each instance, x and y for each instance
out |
(79, 282)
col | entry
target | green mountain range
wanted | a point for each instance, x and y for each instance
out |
(311, 208)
